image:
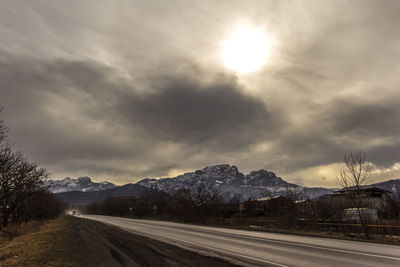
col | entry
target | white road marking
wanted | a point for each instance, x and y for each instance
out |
(209, 248)
(289, 243)
(296, 250)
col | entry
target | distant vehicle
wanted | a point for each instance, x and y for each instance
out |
(74, 212)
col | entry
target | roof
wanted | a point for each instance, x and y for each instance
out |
(269, 198)
(122, 198)
(363, 188)
(302, 201)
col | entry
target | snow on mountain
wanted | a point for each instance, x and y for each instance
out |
(218, 175)
(267, 179)
(81, 184)
(233, 184)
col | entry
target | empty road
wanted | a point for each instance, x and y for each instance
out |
(260, 248)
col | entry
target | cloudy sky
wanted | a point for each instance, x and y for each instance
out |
(123, 90)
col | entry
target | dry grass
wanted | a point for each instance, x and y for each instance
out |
(16, 230)
(55, 244)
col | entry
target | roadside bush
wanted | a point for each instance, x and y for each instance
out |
(41, 205)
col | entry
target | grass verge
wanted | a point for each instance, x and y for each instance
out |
(54, 244)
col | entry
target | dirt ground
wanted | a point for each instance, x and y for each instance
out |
(70, 241)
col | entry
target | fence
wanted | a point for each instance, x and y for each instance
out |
(319, 226)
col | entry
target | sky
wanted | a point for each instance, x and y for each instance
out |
(124, 90)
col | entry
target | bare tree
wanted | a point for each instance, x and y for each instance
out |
(208, 200)
(182, 206)
(294, 193)
(353, 175)
(19, 179)
(27, 180)
(355, 171)
(3, 129)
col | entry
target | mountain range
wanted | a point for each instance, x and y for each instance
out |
(83, 198)
(81, 184)
(232, 184)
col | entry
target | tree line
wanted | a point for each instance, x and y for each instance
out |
(206, 205)
(203, 205)
(21, 195)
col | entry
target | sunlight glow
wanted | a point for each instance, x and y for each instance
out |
(246, 49)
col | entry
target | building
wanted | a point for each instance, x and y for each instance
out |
(353, 214)
(306, 209)
(266, 206)
(371, 200)
(368, 196)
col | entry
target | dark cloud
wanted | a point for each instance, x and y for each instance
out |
(44, 107)
(63, 112)
(86, 116)
(185, 110)
(90, 91)
(377, 119)
(385, 155)
(374, 126)
(342, 126)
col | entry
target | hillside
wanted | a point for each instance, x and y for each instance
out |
(390, 185)
(82, 198)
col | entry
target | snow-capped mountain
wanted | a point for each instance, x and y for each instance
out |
(218, 175)
(81, 184)
(233, 184)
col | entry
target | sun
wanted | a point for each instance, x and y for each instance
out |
(246, 49)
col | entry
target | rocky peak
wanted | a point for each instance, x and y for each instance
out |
(261, 173)
(84, 180)
(217, 175)
(221, 169)
(267, 179)
(66, 180)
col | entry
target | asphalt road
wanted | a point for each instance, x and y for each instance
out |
(260, 248)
